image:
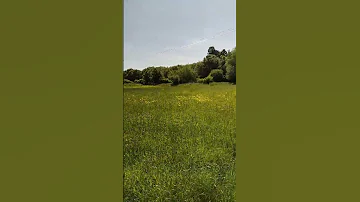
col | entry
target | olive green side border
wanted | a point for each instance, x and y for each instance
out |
(61, 101)
(298, 98)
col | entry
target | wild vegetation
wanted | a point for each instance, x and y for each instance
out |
(179, 142)
(217, 66)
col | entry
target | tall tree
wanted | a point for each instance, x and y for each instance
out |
(223, 52)
(213, 51)
(212, 62)
(132, 74)
(151, 75)
(231, 66)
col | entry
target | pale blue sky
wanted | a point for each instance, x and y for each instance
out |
(154, 26)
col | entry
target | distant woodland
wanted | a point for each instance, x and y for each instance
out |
(217, 66)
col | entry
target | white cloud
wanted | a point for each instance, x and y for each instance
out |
(184, 26)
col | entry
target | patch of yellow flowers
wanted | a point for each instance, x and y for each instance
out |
(199, 98)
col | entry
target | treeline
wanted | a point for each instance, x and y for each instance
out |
(217, 66)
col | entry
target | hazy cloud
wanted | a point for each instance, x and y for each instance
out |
(171, 32)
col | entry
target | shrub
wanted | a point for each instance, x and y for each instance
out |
(199, 80)
(217, 75)
(210, 62)
(175, 79)
(186, 74)
(231, 67)
(151, 75)
(208, 79)
(127, 81)
(132, 74)
(165, 80)
(140, 81)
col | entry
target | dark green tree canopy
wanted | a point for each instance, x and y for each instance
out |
(217, 75)
(213, 51)
(223, 52)
(231, 66)
(216, 66)
(132, 74)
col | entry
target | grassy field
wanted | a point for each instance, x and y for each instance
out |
(179, 142)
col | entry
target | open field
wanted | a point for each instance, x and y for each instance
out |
(179, 142)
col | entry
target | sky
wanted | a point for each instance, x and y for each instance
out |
(172, 32)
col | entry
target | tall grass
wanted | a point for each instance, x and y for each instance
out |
(179, 143)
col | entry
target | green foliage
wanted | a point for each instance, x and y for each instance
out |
(164, 71)
(132, 74)
(165, 80)
(223, 64)
(140, 81)
(186, 74)
(182, 74)
(175, 148)
(146, 76)
(217, 75)
(209, 63)
(127, 81)
(223, 53)
(208, 79)
(202, 70)
(231, 66)
(212, 64)
(174, 77)
(213, 51)
(151, 75)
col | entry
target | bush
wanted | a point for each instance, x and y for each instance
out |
(199, 80)
(140, 81)
(206, 80)
(175, 79)
(127, 81)
(231, 67)
(151, 75)
(165, 80)
(210, 62)
(132, 74)
(186, 74)
(217, 75)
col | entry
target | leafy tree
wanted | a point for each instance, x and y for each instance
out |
(186, 74)
(223, 52)
(217, 75)
(140, 81)
(208, 79)
(127, 81)
(231, 66)
(132, 74)
(202, 70)
(216, 66)
(211, 62)
(145, 76)
(164, 72)
(155, 76)
(165, 80)
(213, 51)
(151, 75)
(174, 77)
(193, 67)
(222, 64)
(183, 74)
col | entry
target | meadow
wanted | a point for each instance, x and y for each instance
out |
(179, 142)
